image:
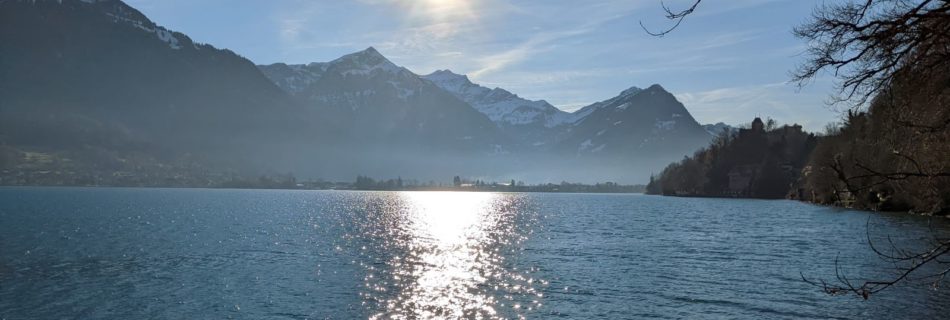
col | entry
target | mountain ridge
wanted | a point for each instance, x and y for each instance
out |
(500, 105)
(536, 129)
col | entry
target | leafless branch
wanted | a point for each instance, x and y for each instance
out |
(864, 44)
(677, 17)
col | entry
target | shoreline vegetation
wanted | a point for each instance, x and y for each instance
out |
(894, 156)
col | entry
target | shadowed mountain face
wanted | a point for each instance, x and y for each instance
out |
(99, 74)
(648, 122)
(93, 82)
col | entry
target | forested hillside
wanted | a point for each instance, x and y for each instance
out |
(763, 161)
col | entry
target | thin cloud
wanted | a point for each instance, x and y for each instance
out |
(540, 42)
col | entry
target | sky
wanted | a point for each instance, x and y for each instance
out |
(728, 62)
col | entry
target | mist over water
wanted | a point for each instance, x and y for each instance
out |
(194, 253)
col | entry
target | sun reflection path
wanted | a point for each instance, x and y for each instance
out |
(454, 264)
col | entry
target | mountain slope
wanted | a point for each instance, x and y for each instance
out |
(99, 74)
(648, 122)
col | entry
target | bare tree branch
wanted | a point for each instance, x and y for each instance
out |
(677, 17)
(863, 44)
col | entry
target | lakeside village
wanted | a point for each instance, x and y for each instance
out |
(89, 167)
(364, 183)
(199, 178)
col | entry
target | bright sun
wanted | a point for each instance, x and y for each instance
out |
(439, 19)
(445, 10)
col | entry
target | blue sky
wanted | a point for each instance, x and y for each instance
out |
(728, 62)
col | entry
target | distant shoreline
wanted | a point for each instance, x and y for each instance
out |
(304, 189)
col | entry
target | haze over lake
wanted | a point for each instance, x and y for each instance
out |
(93, 253)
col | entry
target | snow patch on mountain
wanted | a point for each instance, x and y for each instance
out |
(167, 37)
(500, 105)
(630, 91)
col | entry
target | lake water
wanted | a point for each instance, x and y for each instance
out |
(73, 253)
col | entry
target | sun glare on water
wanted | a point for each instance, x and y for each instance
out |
(454, 266)
(450, 218)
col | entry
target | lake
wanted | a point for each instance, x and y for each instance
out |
(98, 253)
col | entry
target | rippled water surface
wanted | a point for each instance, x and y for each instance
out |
(211, 254)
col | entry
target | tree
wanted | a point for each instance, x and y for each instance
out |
(457, 181)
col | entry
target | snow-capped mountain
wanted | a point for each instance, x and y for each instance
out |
(370, 91)
(387, 105)
(501, 106)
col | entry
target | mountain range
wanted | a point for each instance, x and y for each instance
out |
(94, 85)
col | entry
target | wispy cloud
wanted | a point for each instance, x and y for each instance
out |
(542, 41)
